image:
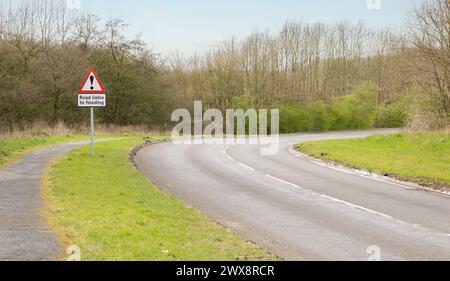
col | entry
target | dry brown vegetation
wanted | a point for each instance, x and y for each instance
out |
(36, 129)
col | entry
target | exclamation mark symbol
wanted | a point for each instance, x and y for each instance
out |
(92, 82)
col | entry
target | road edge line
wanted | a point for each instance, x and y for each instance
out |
(406, 185)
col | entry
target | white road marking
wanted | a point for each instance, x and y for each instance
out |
(357, 206)
(283, 181)
(367, 175)
(246, 167)
(354, 206)
(239, 163)
(334, 199)
(225, 151)
(229, 157)
(297, 186)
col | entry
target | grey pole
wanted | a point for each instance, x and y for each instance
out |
(92, 131)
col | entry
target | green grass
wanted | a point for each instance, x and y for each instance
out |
(13, 148)
(423, 158)
(112, 212)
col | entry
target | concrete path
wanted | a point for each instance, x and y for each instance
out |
(23, 233)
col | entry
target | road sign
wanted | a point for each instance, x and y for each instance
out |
(92, 84)
(91, 92)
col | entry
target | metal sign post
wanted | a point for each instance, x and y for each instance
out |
(92, 94)
(92, 131)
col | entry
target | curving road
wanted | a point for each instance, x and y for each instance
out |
(300, 210)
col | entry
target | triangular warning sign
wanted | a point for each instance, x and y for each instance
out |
(92, 84)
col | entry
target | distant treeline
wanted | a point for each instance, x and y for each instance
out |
(45, 52)
(320, 76)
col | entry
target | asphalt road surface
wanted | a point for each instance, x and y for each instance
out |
(300, 210)
(24, 236)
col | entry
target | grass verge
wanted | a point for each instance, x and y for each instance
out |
(423, 158)
(113, 212)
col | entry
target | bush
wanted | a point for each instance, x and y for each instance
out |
(391, 116)
(323, 118)
(354, 111)
(294, 118)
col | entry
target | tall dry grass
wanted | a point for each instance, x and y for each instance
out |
(423, 121)
(61, 129)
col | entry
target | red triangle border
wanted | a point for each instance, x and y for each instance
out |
(85, 81)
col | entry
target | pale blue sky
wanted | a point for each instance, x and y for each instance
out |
(192, 25)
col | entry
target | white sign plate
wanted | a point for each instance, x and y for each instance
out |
(91, 100)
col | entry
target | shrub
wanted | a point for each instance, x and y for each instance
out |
(391, 116)
(356, 110)
(294, 118)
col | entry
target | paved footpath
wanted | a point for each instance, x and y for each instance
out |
(24, 236)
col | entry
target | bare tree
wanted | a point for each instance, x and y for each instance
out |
(430, 34)
(86, 30)
(22, 33)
